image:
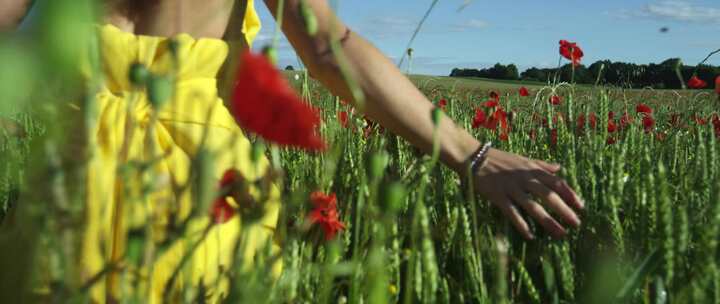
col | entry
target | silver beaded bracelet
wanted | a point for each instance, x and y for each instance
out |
(479, 157)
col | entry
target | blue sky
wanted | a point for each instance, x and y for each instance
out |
(526, 32)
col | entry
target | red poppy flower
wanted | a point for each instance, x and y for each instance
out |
(229, 178)
(503, 136)
(499, 116)
(571, 51)
(698, 120)
(716, 124)
(442, 103)
(494, 95)
(592, 120)
(264, 103)
(643, 109)
(490, 103)
(555, 100)
(611, 115)
(717, 85)
(221, 210)
(479, 119)
(648, 123)
(696, 83)
(343, 118)
(553, 137)
(610, 140)
(581, 122)
(558, 117)
(612, 127)
(625, 121)
(325, 214)
(524, 92)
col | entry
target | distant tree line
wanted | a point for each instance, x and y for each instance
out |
(498, 71)
(659, 76)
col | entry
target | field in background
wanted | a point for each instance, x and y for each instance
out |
(649, 234)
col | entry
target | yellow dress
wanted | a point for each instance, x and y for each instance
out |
(132, 134)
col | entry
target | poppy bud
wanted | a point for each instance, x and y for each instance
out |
(160, 89)
(258, 150)
(378, 163)
(393, 196)
(311, 24)
(136, 247)
(174, 47)
(139, 74)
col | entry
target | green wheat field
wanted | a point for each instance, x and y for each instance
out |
(649, 234)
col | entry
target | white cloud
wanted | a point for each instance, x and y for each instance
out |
(470, 25)
(676, 10)
(387, 26)
(683, 11)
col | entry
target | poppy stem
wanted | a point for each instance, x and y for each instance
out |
(679, 74)
(167, 290)
(705, 60)
(417, 30)
(278, 23)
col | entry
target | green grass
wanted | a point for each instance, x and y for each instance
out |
(475, 82)
(644, 196)
(650, 228)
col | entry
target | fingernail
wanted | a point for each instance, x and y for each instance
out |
(580, 201)
(574, 220)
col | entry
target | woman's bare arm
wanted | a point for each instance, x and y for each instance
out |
(12, 13)
(391, 99)
(509, 181)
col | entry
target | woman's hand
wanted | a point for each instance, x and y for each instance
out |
(512, 182)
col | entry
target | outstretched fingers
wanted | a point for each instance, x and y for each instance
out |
(561, 187)
(553, 201)
(550, 168)
(513, 214)
(537, 212)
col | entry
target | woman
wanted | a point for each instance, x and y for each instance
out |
(135, 31)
